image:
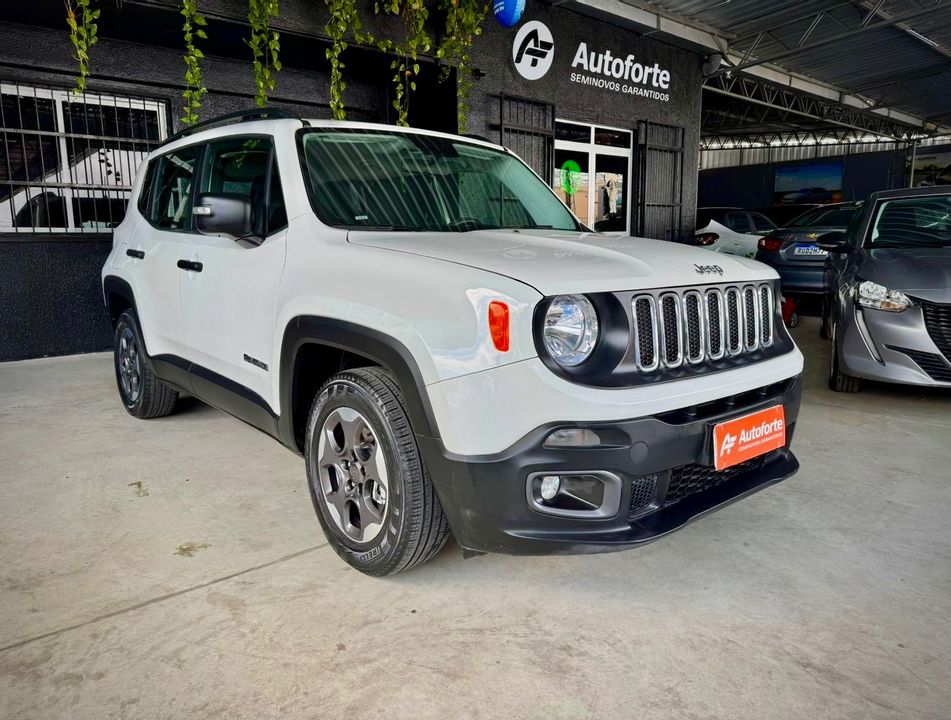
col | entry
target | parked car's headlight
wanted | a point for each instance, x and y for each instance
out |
(571, 329)
(871, 294)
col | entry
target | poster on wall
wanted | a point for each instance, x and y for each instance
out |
(812, 183)
(930, 169)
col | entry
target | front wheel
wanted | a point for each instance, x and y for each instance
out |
(838, 380)
(371, 491)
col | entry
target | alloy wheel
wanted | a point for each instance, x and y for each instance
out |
(353, 474)
(130, 366)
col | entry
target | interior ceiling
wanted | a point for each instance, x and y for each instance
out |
(894, 54)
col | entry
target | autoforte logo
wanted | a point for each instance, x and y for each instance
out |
(742, 439)
(603, 69)
(533, 50)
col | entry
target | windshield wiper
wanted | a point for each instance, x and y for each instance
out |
(527, 227)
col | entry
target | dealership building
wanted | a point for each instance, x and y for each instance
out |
(612, 103)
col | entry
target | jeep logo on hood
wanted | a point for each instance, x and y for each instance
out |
(708, 269)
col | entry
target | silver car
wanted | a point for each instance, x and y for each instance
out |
(888, 281)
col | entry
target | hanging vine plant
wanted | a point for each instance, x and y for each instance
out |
(81, 19)
(464, 20)
(265, 46)
(194, 84)
(344, 23)
(405, 65)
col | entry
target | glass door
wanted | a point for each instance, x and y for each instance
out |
(592, 174)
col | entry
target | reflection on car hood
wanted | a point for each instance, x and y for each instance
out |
(555, 262)
(922, 272)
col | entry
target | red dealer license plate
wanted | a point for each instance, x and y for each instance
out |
(747, 437)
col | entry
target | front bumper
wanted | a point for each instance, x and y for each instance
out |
(891, 347)
(486, 502)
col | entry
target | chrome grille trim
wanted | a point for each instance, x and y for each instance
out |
(671, 331)
(734, 316)
(644, 308)
(694, 336)
(716, 324)
(672, 328)
(766, 311)
(751, 320)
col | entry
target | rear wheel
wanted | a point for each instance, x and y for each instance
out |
(372, 493)
(838, 380)
(142, 393)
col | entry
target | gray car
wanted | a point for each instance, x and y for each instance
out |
(888, 307)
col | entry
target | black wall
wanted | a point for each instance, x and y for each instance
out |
(751, 186)
(50, 299)
(492, 55)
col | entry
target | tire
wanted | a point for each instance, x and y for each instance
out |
(838, 380)
(358, 441)
(825, 326)
(143, 395)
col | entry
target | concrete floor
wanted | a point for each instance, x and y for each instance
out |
(174, 568)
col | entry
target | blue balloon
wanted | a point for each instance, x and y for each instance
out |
(508, 12)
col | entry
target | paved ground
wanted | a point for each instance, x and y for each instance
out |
(174, 569)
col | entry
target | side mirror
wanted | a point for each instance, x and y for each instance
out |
(223, 214)
(834, 242)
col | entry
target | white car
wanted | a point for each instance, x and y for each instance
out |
(731, 230)
(421, 318)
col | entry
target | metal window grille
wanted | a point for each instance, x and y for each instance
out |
(528, 130)
(67, 161)
(660, 173)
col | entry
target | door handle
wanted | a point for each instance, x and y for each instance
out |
(191, 265)
(140, 254)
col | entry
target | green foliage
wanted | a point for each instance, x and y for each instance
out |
(405, 66)
(344, 23)
(81, 19)
(265, 45)
(464, 20)
(194, 84)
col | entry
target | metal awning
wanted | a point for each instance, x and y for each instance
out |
(810, 72)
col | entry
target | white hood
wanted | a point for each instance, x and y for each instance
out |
(555, 262)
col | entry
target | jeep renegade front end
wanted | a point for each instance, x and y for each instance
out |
(421, 318)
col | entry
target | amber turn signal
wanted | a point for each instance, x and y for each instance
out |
(499, 325)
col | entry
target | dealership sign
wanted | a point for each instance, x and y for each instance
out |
(534, 50)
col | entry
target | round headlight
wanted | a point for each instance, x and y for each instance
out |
(571, 329)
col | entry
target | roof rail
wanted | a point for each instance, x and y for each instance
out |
(232, 119)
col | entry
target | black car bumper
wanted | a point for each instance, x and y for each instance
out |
(663, 463)
(805, 278)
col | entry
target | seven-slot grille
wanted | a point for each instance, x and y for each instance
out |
(687, 327)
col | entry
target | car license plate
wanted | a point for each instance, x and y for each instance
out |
(809, 250)
(744, 438)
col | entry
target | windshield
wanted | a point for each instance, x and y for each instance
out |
(912, 222)
(380, 179)
(834, 216)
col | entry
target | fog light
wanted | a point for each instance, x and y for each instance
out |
(550, 486)
(573, 437)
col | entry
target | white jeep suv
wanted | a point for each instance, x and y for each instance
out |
(421, 318)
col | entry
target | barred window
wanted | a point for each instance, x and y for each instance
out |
(67, 161)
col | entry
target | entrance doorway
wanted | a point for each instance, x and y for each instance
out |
(592, 174)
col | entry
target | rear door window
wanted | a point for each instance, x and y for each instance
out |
(739, 222)
(762, 223)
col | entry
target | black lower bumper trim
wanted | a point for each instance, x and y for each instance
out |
(485, 497)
